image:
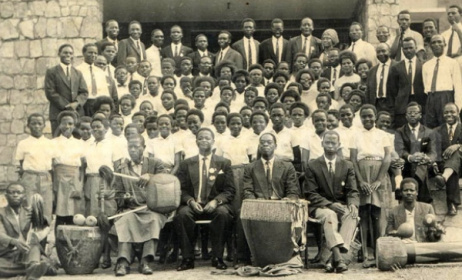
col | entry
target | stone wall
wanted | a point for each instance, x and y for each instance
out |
(380, 12)
(30, 35)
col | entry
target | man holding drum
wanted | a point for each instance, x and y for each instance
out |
(330, 185)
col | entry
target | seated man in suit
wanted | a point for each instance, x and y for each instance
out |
(140, 229)
(330, 186)
(409, 211)
(176, 49)
(207, 188)
(266, 178)
(20, 237)
(226, 52)
(450, 139)
(416, 144)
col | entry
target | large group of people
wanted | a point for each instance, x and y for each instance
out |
(277, 119)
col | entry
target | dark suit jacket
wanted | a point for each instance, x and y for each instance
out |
(399, 87)
(284, 178)
(268, 52)
(60, 91)
(196, 57)
(232, 56)
(397, 217)
(443, 137)
(220, 183)
(10, 228)
(319, 189)
(295, 46)
(122, 185)
(405, 146)
(239, 46)
(168, 52)
(371, 94)
(128, 48)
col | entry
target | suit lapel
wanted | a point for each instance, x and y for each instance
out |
(63, 75)
(260, 173)
(194, 174)
(326, 173)
(401, 215)
(278, 169)
(211, 176)
(10, 216)
(132, 44)
(299, 44)
(144, 168)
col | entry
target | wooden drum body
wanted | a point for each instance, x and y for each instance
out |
(79, 248)
(163, 193)
(274, 229)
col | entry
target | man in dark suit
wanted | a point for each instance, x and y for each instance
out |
(376, 93)
(65, 87)
(201, 44)
(402, 213)
(450, 138)
(416, 144)
(226, 52)
(332, 71)
(305, 43)
(276, 47)
(176, 49)
(18, 256)
(207, 188)
(112, 31)
(132, 46)
(248, 47)
(330, 185)
(266, 178)
(405, 83)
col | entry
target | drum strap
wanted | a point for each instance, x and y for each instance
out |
(298, 227)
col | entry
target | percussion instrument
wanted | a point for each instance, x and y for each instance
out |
(79, 248)
(393, 252)
(274, 229)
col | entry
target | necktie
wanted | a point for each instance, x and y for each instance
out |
(109, 72)
(451, 133)
(93, 82)
(409, 74)
(400, 42)
(450, 43)
(381, 82)
(203, 192)
(414, 137)
(176, 50)
(67, 72)
(249, 61)
(306, 49)
(353, 47)
(277, 51)
(435, 75)
(221, 56)
(268, 178)
(331, 173)
(334, 77)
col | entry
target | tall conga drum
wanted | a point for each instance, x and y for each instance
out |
(275, 229)
(79, 248)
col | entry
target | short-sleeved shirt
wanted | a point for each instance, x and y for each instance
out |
(100, 153)
(236, 149)
(313, 143)
(120, 145)
(285, 143)
(253, 141)
(164, 149)
(36, 153)
(188, 145)
(300, 133)
(371, 143)
(347, 136)
(70, 151)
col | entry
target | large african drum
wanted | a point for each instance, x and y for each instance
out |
(79, 248)
(275, 229)
(163, 193)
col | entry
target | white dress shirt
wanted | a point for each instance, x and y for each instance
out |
(140, 48)
(280, 43)
(252, 48)
(455, 39)
(102, 87)
(154, 57)
(413, 66)
(208, 159)
(385, 77)
(365, 50)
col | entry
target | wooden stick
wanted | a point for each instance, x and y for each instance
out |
(126, 176)
(128, 212)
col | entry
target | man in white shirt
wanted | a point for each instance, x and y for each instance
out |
(276, 47)
(248, 47)
(404, 31)
(361, 48)
(453, 35)
(176, 49)
(153, 53)
(442, 82)
(95, 78)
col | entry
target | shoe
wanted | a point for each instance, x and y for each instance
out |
(145, 269)
(329, 268)
(341, 267)
(185, 265)
(452, 210)
(106, 264)
(219, 263)
(37, 270)
(440, 183)
(121, 270)
(317, 258)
